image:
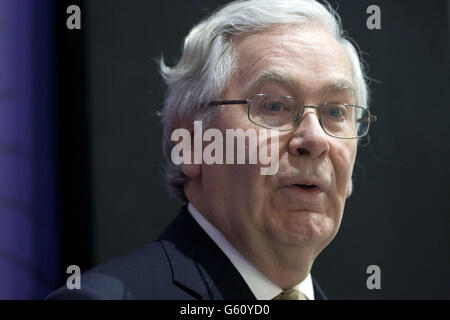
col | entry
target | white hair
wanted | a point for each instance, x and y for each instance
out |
(208, 61)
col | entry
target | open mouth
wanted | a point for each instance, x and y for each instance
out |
(305, 186)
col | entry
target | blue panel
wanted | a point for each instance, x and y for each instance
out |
(28, 224)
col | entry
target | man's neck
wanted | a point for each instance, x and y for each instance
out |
(261, 286)
(286, 266)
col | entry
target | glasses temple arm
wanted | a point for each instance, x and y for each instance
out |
(371, 118)
(228, 102)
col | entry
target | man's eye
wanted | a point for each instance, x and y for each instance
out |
(274, 106)
(336, 112)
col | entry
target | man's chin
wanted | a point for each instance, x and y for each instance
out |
(305, 229)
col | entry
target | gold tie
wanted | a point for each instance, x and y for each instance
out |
(291, 294)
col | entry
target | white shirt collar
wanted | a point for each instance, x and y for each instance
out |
(259, 284)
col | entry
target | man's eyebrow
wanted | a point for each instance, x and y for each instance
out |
(339, 86)
(268, 76)
(277, 77)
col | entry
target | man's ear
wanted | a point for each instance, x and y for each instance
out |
(349, 188)
(192, 170)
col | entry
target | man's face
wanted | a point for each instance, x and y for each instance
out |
(272, 211)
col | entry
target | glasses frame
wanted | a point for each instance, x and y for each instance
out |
(369, 119)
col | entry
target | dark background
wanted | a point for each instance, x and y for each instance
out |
(112, 195)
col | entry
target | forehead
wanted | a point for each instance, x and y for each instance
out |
(305, 58)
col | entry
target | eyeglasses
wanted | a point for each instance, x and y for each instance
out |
(283, 113)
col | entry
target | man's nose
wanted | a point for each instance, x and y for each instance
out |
(309, 139)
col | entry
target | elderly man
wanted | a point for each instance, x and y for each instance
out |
(281, 66)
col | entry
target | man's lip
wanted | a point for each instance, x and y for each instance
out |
(305, 185)
(303, 196)
(314, 185)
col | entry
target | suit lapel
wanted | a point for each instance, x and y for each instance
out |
(198, 264)
(318, 293)
(200, 267)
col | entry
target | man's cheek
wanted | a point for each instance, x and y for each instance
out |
(343, 162)
(346, 154)
(269, 152)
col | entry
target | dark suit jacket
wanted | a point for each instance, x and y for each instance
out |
(184, 263)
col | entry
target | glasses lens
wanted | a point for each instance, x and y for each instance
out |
(344, 121)
(362, 121)
(273, 111)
